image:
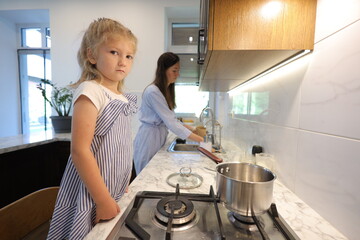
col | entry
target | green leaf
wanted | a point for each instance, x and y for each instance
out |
(60, 99)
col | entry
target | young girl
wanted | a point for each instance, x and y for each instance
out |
(157, 113)
(99, 167)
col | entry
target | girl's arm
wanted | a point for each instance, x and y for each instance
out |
(83, 128)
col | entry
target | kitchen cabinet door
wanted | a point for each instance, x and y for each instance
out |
(27, 170)
(247, 37)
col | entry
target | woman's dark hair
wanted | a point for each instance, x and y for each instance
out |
(165, 61)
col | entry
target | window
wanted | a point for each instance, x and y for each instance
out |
(31, 37)
(35, 37)
(190, 102)
(34, 64)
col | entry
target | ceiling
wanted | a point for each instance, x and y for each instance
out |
(25, 16)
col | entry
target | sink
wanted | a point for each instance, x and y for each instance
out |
(185, 147)
(188, 147)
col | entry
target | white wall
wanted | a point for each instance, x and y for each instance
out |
(313, 122)
(69, 19)
(144, 18)
(9, 82)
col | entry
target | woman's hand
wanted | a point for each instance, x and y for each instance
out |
(106, 210)
(196, 137)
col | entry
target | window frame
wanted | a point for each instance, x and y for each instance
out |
(43, 28)
(24, 50)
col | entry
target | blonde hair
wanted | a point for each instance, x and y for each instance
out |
(98, 32)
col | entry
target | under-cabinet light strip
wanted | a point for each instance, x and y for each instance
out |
(251, 80)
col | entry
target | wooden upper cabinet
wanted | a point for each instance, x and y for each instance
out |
(247, 37)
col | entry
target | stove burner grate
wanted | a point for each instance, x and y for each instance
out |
(173, 207)
(176, 227)
(243, 222)
(183, 209)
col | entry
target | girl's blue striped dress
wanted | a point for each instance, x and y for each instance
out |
(74, 213)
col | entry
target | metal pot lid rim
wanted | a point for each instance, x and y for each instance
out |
(242, 181)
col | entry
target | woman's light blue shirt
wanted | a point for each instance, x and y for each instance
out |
(156, 118)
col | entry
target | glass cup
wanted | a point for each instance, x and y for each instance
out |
(265, 160)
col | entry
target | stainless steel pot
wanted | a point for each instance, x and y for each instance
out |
(245, 188)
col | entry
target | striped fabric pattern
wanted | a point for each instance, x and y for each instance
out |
(74, 213)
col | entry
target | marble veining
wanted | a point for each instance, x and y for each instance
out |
(306, 223)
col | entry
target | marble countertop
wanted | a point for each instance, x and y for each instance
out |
(306, 223)
(9, 144)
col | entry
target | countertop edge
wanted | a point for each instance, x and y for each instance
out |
(23, 141)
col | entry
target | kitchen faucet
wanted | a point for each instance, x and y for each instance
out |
(211, 136)
(202, 113)
(215, 135)
(210, 111)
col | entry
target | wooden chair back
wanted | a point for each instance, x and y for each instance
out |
(23, 216)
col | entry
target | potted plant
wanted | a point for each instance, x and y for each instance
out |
(60, 101)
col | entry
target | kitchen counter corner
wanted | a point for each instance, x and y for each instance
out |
(22, 141)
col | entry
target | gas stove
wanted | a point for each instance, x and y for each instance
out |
(175, 215)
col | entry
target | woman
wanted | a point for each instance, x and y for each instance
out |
(157, 113)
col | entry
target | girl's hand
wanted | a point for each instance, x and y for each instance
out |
(106, 210)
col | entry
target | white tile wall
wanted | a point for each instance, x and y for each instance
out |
(331, 89)
(328, 179)
(333, 15)
(313, 123)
